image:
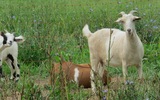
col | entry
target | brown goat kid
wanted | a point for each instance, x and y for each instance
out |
(80, 73)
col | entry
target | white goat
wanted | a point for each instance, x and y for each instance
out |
(126, 48)
(9, 53)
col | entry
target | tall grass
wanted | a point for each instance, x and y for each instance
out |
(53, 28)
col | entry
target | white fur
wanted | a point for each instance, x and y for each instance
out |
(13, 51)
(10, 39)
(126, 49)
(76, 75)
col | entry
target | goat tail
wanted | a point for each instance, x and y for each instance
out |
(86, 32)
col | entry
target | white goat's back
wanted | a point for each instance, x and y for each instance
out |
(99, 44)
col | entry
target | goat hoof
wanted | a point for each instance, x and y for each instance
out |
(11, 78)
(16, 79)
(2, 79)
(129, 82)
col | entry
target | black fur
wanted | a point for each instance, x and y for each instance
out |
(14, 74)
(18, 75)
(0, 71)
(5, 37)
(18, 66)
(12, 60)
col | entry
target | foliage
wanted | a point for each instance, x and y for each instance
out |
(53, 28)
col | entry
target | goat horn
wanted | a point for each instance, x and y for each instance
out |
(122, 13)
(132, 12)
(6, 31)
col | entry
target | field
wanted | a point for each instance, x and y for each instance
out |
(53, 28)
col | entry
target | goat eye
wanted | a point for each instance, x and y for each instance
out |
(122, 21)
(134, 19)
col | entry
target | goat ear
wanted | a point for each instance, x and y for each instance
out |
(132, 12)
(6, 31)
(19, 39)
(122, 13)
(136, 18)
(118, 20)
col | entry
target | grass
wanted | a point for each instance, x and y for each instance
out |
(54, 28)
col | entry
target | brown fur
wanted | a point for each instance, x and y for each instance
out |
(84, 73)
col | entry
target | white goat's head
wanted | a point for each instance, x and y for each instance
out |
(6, 39)
(128, 21)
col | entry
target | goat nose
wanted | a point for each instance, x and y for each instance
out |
(10, 42)
(129, 30)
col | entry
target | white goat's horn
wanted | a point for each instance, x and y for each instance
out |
(132, 12)
(122, 13)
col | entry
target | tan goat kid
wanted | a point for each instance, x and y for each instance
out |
(126, 49)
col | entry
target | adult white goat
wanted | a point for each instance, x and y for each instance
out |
(9, 53)
(126, 48)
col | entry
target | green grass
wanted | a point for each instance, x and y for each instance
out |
(54, 27)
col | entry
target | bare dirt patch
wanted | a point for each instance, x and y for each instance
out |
(41, 83)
